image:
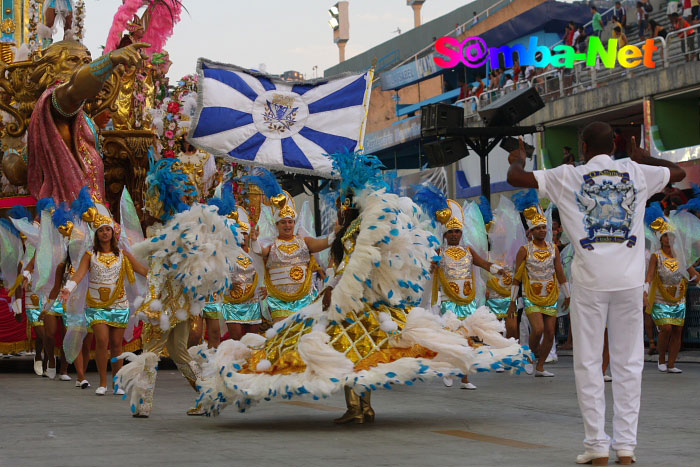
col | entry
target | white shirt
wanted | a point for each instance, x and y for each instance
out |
(601, 207)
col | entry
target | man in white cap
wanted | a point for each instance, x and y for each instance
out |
(601, 206)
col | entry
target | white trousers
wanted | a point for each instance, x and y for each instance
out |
(622, 312)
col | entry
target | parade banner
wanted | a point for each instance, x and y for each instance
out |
(257, 119)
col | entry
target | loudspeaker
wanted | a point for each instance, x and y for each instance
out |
(445, 151)
(511, 108)
(438, 116)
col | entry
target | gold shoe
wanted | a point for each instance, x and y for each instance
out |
(354, 413)
(196, 411)
(367, 410)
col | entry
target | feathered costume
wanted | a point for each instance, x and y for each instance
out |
(370, 337)
(191, 258)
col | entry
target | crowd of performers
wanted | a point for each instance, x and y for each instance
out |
(415, 288)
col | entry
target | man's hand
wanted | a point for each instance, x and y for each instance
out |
(646, 300)
(637, 154)
(511, 310)
(130, 55)
(518, 155)
(262, 293)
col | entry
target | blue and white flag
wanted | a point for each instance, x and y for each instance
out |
(266, 121)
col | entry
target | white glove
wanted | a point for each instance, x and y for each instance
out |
(495, 269)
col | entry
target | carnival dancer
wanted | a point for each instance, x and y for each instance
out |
(454, 277)
(370, 336)
(241, 307)
(666, 286)
(107, 312)
(600, 205)
(16, 253)
(506, 235)
(206, 247)
(539, 269)
(289, 261)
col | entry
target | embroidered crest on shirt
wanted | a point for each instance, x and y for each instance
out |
(608, 207)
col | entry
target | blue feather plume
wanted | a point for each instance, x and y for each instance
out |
(20, 212)
(653, 212)
(485, 208)
(83, 202)
(693, 205)
(61, 215)
(266, 180)
(9, 226)
(172, 185)
(227, 203)
(430, 198)
(357, 172)
(525, 199)
(45, 204)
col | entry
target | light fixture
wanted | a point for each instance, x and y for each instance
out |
(333, 23)
(333, 11)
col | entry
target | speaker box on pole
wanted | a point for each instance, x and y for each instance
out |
(445, 151)
(437, 116)
(511, 108)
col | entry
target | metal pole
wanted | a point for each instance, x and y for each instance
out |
(485, 177)
(317, 208)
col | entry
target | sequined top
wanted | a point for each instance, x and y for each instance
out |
(671, 277)
(457, 267)
(105, 270)
(244, 280)
(288, 264)
(540, 268)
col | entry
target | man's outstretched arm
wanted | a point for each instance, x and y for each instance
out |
(517, 175)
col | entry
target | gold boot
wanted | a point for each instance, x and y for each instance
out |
(354, 412)
(367, 410)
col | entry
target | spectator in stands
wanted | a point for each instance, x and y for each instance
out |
(530, 72)
(479, 87)
(620, 142)
(596, 21)
(648, 7)
(517, 71)
(687, 37)
(465, 90)
(642, 18)
(695, 9)
(581, 40)
(476, 18)
(620, 15)
(674, 6)
(687, 10)
(568, 157)
(620, 36)
(509, 84)
(656, 30)
(574, 37)
(501, 77)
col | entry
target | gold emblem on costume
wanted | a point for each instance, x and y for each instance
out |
(89, 215)
(455, 253)
(541, 255)
(672, 290)
(467, 288)
(296, 273)
(286, 211)
(671, 264)
(454, 287)
(66, 229)
(237, 291)
(244, 261)
(454, 223)
(660, 225)
(108, 259)
(35, 299)
(101, 220)
(550, 287)
(533, 215)
(279, 201)
(105, 293)
(507, 279)
(288, 248)
(443, 215)
(537, 288)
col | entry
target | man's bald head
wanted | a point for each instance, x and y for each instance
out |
(597, 138)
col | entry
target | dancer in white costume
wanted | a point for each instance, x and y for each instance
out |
(370, 337)
(601, 206)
